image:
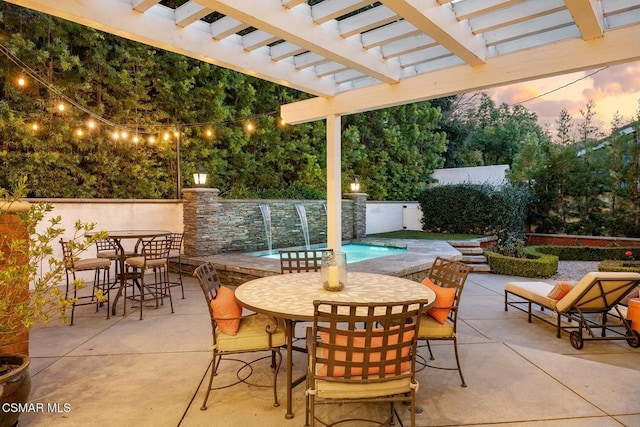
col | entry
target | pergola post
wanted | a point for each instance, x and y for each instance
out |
(334, 186)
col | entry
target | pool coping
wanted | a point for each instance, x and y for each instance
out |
(236, 268)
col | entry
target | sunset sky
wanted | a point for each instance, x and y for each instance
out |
(615, 88)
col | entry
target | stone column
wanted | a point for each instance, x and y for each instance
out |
(200, 210)
(359, 214)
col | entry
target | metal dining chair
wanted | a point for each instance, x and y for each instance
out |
(353, 364)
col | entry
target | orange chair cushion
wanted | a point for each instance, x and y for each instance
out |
(226, 311)
(559, 291)
(444, 301)
(358, 356)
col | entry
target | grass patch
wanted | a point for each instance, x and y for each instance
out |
(416, 234)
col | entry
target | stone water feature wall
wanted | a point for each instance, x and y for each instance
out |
(213, 225)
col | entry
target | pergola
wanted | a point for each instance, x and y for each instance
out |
(359, 55)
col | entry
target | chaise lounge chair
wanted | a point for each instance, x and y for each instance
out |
(588, 303)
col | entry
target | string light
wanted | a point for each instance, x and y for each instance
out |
(79, 132)
(250, 127)
(61, 107)
(35, 127)
(152, 139)
(91, 124)
(21, 81)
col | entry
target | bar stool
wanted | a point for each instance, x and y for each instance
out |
(155, 258)
(107, 249)
(175, 252)
(100, 266)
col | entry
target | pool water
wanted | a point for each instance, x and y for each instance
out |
(355, 252)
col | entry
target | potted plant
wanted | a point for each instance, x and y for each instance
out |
(29, 286)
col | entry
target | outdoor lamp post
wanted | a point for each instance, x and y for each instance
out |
(200, 177)
(354, 187)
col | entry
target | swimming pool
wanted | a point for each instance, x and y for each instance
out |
(355, 252)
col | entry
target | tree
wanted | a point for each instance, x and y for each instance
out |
(496, 133)
(393, 150)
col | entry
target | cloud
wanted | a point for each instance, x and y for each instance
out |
(613, 81)
(513, 94)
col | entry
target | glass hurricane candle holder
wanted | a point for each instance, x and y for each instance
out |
(333, 271)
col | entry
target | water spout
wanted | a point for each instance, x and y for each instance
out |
(266, 218)
(302, 213)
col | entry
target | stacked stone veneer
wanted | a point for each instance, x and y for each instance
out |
(213, 225)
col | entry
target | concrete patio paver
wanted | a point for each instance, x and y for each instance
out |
(124, 371)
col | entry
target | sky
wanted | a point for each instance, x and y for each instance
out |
(613, 89)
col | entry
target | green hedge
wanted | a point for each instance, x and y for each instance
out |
(474, 208)
(587, 253)
(536, 264)
(613, 265)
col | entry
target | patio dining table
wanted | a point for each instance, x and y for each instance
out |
(290, 297)
(116, 236)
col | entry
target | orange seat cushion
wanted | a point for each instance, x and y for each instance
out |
(226, 311)
(444, 301)
(358, 356)
(559, 291)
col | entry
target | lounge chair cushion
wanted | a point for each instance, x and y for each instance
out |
(444, 301)
(585, 291)
(226, 311)
(533, 291)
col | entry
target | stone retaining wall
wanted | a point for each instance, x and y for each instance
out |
(213, 225)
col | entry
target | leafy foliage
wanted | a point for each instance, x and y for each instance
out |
(141, 89)
(27, 259)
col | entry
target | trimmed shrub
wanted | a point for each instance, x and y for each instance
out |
(585, 253)
(474, 209)
(624, 266)
(535, 264)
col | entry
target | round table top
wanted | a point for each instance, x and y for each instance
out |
(291, 296)
(132, 234)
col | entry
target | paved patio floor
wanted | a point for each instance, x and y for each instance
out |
(127, 372)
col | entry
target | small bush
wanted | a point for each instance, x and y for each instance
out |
(535, 264)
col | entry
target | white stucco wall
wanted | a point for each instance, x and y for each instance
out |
(473, 175)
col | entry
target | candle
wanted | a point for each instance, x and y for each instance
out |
(334, 276)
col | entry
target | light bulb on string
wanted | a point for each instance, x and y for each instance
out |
(208, 133)
(152, 139)
(22, 82)
(124, 134)
(116, 135)
(35, 127)
(79, 132)
(250, 127)
(91, 124)
(136, 139)
(166, 136)
(61, 107)
(281, 122)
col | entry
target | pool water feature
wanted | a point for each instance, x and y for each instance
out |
(355, 252)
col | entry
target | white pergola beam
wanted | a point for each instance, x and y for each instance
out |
(589, 17)
(441, 24)
(189, 13)
(543, 61)
(157, 28)
(299, 28)
(143, 5)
